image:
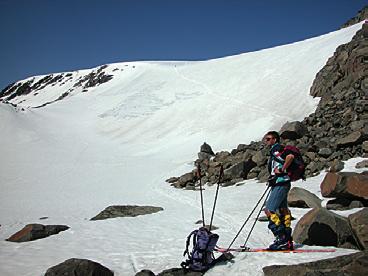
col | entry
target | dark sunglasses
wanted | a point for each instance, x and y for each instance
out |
(268, 138)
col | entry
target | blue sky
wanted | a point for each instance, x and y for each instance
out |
(46, 36)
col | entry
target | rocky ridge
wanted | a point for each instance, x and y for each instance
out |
(336, 131)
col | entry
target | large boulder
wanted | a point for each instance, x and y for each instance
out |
(179, 272)
(145, 272)
(293, 130)
(359, 224)
(79, 267)
(354, 138)
(126, 211)
(322, 227)
(205, 152)
(239, 170)
(301, 198)
(345, 185)
(353, 264)
(36, 231)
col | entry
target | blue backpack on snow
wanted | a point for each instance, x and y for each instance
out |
(201, 257)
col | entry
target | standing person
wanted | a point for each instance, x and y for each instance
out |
(277, 210)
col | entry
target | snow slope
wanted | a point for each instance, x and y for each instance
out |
(118, 142)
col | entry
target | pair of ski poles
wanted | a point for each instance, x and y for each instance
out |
(216, 195)
(264, 196)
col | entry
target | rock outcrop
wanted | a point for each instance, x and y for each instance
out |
(336, 131)
(353, 264)
(302, 198)
(322, 227)
(359, 224)
(33, 232)
(79, 267)
(349, 189)
(126, 211)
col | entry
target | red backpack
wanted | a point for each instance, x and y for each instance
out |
(296, 169)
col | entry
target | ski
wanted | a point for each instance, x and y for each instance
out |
(296, 250)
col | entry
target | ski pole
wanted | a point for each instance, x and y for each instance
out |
(200, 188)
(245, 222)
(255, 221)
(218, 186)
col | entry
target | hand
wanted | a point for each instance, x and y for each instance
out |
(277, 171)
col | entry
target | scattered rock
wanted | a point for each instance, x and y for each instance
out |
(145, 272)
(78, 267)
(302, 198)
(324, 228)
(35, 231)
(336, 165)
(362, 164)
(293, 130)
(126, 211)
(352, 139)
(353, 264)
(179, 272)
(345, 185)
(359, 224)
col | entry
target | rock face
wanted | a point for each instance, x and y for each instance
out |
(347, 185)
(293, 130)
(302, 198)
(79, 267)
(362, 14)
(359, 224)
(126, 211)
(337, 131)
(322, 227)
(36, 85)
(36, 231)
(354, 264)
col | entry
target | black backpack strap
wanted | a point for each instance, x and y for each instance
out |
(194, 234)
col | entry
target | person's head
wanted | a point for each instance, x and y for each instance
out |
(271, 138)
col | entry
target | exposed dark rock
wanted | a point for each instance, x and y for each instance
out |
(322, 227)
(179, 272)
(145, 272)
(353, 264)
(126, 211)
(302, 198)
(207, 149)
(293, 130)
(354, 138)
(362, 164)
(362, 14)
(79, 267)
(36, 231)
(359, 224)
(342, 203)
(336, 166)
(345, 185)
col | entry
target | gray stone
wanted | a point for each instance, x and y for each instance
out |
(145, 272)
(79, 267)
(324, 228)
(362, 164)
(359, 224)
(365, 146)
(354, 138)
(302, 198)
(207, 149)
(325, 152)
(353, 264)
(36, 231)
(126, 211)
(336, 166)
(293, 130)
